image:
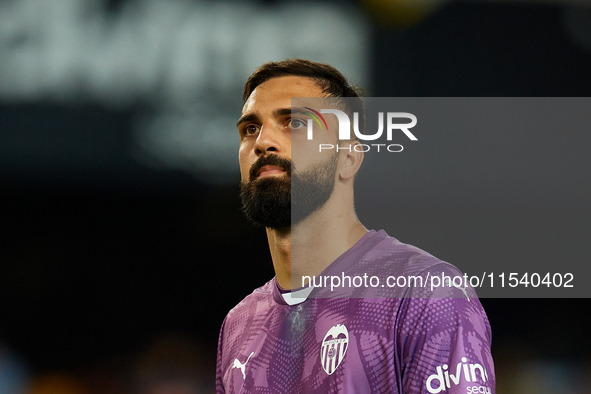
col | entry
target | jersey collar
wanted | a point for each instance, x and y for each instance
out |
(342, 263)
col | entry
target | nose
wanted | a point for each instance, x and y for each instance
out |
(268, 140)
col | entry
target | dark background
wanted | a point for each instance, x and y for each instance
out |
(104, 258)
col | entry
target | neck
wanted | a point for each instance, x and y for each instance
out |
(307, 248)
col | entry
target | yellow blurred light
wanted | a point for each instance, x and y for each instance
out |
(400, 13)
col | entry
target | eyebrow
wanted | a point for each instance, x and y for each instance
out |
(277, 113)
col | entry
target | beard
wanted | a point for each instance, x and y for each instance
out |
(285, 200)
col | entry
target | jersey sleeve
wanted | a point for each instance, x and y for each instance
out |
(219, 383)
(444, 339)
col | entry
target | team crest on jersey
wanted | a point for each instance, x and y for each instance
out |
(334, 347)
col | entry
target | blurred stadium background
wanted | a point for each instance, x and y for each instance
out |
(124, 246)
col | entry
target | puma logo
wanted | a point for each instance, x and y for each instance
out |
(242, 367)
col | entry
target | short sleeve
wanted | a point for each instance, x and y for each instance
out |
(219, 383)
(445, 342)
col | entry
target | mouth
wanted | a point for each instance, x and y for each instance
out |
(269, 170)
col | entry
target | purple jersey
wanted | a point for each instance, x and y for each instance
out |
(410, 342)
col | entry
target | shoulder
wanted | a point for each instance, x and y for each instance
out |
(248, 312)
(256, 302)
(397, 254)
(403, 270)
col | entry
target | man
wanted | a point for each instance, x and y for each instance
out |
(288, 338)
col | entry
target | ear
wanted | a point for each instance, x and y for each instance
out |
(353, 157)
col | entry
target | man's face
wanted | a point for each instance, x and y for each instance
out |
(271, 195)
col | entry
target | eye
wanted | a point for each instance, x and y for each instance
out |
(296, 124)
(251, 129)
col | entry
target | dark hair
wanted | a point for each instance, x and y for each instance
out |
(328, 78)
(332, 82)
